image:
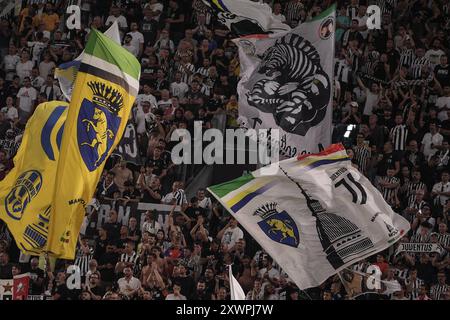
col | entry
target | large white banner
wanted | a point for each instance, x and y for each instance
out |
(315, 217)
(287, 83)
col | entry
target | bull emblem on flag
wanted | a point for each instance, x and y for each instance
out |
(278, 226)
(98, 123)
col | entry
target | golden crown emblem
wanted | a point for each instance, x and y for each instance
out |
(266, 210)
(107, 97)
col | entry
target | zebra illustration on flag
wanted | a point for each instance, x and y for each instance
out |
(286, 84)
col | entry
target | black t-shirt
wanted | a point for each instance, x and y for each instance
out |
(148, 198)
(113, 230)
(131, 194)
(187, 285)
(35, 288)
(104, 190)
(389, 159)
(193, 213)
(98, 291)
(159, 164)
(108, 274)
(149, 30)
(100, 247)
(175, 14)
(214, 104)
(6, 271)
(442, 74)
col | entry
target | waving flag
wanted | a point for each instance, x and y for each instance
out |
(315, 217)
(245, 17)
(104, 92)
(236, 291)
(26, 192)
(66, 73)
(287, 84)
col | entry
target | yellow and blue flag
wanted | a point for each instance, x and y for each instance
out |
(105, 89)
(27, 191)
(315, 215)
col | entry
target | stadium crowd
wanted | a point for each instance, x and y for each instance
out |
(391, 108)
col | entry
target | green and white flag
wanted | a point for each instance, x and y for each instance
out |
(287, 84)
(315, 216)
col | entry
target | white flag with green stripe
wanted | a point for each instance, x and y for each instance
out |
(315, 217)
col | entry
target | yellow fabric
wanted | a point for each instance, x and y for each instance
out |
(82, 158)
(26, 192)
(50, 21)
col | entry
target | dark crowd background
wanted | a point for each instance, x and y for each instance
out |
(391, 109)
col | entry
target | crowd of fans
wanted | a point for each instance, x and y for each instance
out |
(391, 108)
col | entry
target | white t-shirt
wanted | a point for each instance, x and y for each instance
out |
(126, 287)
(231, 236)
(151, 227)
(279, 17)
(205, 203)
(272, 272)
(441, 187)
(121, 21)
(24, 69)
(136, 39)
(442, 102)
(163, 104)
(171, 296)
(140, 121)
(427, 140)
(10, 62)
(27, 96)
(179, 89)
(11, 113)
(371, 102)
(37, 82)
(132, 49)
(45, 68)
(434, 56)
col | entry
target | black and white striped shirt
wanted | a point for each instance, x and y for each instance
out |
(418, 238)
(415, 286)
(133, 258)
(437, 291)
(342, 71)
(203, 71)
(389, 194)
(387, 6)
(402, 273)
(444, 239)
(292, 12)
(362, 156)
(399, 135)
(416, 66)
(82, 260)
(187, 71)
(407, 57)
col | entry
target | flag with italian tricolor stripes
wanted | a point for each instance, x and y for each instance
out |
(315, 216)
